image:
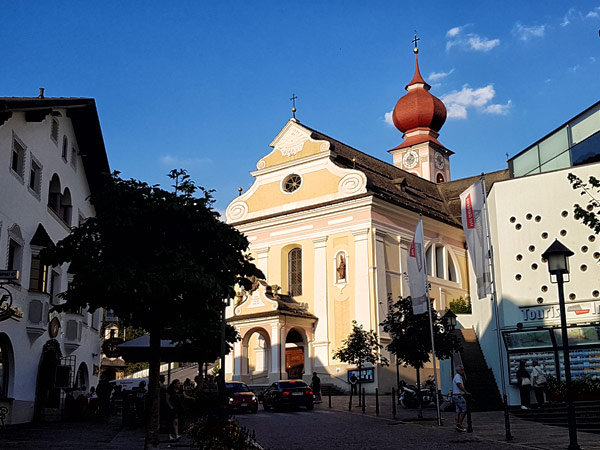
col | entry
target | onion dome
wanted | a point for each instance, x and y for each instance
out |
(418, 108)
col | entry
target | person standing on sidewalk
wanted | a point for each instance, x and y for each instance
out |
(316, 387)
(459, 393)
(353, 381)
(537, 380)
(524, 381)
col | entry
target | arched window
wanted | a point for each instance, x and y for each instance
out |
(295, 272)
(66, 206)
(439, 178)
(440, 263)
(54, 194)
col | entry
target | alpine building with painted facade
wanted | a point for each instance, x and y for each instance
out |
(51, 157)
(330, 227)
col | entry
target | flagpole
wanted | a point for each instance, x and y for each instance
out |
(508, 435)
(435, 377)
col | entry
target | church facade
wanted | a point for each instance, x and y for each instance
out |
(330, 227)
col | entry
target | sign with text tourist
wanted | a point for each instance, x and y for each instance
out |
(417, 275)
(474, 223)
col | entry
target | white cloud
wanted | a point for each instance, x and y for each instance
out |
(571, 13)
(525, 33)
(172, 162)
(594, 13)
(498, 109)
(436, 76)
(575, 68)
(472, 42)
(458, 102)
(452, 32)
(388, 118)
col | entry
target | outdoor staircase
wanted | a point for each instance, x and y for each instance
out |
(480, 381)
(326, 388)
(587, 415)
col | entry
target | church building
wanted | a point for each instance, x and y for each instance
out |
(330, 227)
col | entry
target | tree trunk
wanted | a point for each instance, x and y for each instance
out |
(419, 407)
(360, 398)
(152, 417)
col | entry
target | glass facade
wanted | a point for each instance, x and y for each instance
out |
(574, 144)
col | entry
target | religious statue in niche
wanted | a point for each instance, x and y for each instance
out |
(341, 267)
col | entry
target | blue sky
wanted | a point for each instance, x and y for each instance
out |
(206, 85)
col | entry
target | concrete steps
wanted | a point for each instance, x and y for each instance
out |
(587, 415)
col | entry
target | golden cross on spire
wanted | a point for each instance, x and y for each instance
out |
(415, 41)
(293, 99)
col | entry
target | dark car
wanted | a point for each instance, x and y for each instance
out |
(240, 397)
(290, 393)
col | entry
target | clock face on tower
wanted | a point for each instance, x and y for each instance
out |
(410, 159)
(439, 161)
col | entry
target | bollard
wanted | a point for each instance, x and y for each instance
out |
(469, 422)
(350, 402)
(394, 403)
(363, 400)
(377, 401)
(329, 398)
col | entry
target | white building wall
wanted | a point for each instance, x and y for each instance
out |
(19, 205)
(526, 215)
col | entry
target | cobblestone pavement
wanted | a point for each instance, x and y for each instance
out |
(323, 428)
(337, 427)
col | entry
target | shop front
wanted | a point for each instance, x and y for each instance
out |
(538, 338)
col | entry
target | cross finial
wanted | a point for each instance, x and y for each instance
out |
(293, 99)
(415, 41)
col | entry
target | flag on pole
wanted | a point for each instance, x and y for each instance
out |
(474, 221)
(417, 275)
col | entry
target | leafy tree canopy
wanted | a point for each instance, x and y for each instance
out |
(361, 346)
(161, 260)
(590, 213)
(411, 335)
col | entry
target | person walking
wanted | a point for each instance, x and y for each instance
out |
(353, 381)
(174, 405)
(524, 382)
(316, 387)
(459, 393)
(103, 391)
(537, 381)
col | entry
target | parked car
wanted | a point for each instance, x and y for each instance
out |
(284, 393)
(240, 397)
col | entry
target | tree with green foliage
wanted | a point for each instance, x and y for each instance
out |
(590, 213)
(360, 347)
(161, 260)
(460, 306)
(411, 335)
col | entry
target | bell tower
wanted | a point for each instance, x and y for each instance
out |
(420, 115)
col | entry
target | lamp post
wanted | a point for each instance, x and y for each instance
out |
(558, 264)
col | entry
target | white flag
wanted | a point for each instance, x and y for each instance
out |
(417, 275)
(474, 223)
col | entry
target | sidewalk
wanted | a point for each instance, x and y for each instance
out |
(486, 425)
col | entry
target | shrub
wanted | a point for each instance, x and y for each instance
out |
(460, 306)
(215, 432)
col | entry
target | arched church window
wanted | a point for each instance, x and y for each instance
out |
(295, 272)
(440, 262)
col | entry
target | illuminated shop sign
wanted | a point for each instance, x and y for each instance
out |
(575, 310)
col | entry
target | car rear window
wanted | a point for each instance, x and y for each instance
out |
(235, 387)
(292, 384)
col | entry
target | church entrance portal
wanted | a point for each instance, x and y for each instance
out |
(294, 355)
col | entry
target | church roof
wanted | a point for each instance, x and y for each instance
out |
(439, 201)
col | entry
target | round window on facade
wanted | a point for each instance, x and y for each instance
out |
(292, 183)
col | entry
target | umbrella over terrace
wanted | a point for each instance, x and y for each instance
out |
(138, 350)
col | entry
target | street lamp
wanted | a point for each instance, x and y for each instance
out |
(558, 264)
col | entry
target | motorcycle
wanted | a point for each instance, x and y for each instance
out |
(408, 395)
